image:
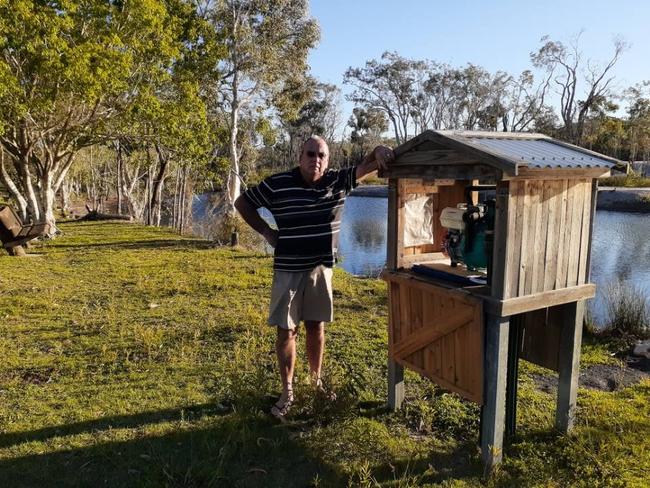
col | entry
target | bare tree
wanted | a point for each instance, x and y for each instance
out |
(570, 72)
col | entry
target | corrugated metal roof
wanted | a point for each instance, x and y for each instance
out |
(539, 153)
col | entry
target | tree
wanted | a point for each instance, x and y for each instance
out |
(267, 43)
(319, 114)
(478, 98)
(367, 128)
(67, 69)
(639, 122)
(393, 85)
(525, 102)
(570, 73)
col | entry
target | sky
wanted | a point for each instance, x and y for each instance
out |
(497, 34)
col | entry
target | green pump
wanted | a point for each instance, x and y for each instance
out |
(470, 233)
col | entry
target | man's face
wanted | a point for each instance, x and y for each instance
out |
(314, 160)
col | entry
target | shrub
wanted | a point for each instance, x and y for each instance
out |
(628, 313)
(631, 181)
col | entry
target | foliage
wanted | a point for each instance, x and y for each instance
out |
(135, 357)
(267, 43)
(69, 70)
(392, 85)
(416, 95)
(630, 181)
(367, 127)
(628, 312)
(639, 121)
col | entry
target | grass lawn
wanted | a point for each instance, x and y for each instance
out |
(135, 357)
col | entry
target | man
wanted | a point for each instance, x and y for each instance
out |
(306, 203)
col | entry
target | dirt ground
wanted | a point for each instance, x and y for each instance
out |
(604, 377)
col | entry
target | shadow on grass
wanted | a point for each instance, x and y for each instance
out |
(227, 449)
(114, 422)
(234, 450)
(146, 244)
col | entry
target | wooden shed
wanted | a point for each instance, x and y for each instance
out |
(529, 202)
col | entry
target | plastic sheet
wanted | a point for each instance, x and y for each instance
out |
(418, 220)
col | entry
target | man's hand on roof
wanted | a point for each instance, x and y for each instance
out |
(383, 155)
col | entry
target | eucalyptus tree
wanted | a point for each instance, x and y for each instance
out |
(581, 84)
(525, 102)
(392, 85)
(318, 113)
(367, 126)
(639, 121)
(167, 120)
(267, 43)
(67, 70)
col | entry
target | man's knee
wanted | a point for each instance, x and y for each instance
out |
(287, 335)
(314, 327)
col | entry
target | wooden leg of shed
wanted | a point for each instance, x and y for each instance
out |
(569, 364)
(395, 385)
(514, 342)
(494, 407)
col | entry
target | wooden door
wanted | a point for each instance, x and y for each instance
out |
(437, 332)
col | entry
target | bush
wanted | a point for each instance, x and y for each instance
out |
(631, 181)
(628, 313)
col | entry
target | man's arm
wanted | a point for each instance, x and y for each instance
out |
(378, 158)
(252, 218)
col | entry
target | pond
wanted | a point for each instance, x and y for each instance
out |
(620, 248)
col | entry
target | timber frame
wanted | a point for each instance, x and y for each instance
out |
(14, 234)
(468, 339)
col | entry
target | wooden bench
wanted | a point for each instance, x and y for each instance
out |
(13, 233)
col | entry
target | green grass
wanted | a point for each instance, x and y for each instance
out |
(136, 357)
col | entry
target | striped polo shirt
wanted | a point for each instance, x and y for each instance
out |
(308, 217)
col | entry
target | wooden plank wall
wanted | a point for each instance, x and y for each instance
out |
(541, 337)
(437, 334)
(548, 235)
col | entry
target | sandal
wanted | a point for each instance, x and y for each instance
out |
(282, 407)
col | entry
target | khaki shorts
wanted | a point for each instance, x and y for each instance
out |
(301, 296)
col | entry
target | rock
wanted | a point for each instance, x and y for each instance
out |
(642, 350)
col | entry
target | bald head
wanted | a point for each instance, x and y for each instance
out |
(314, 159)
(314, 138)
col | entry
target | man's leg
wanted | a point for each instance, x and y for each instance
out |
(315, 345)
(285, 347)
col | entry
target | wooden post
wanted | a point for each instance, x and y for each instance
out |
(569, 364)
(391, 237)
(395, 385)
(395, 371)
(514, 345)
(494, 407)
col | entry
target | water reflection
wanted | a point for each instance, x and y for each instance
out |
(362, 243)
(620, 251)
